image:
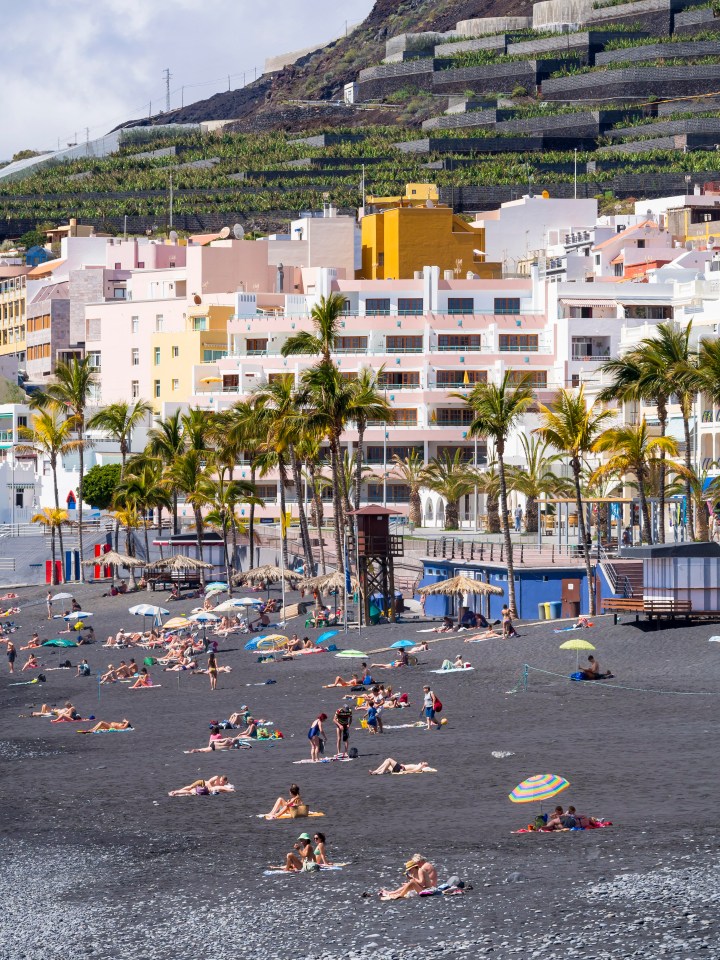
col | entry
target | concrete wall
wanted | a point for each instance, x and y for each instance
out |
(703, 125)
(86, 286)
(694, 21)
(698, 48)
(502, 77)
(58, 336)
(635, 82)
(498, 43)
(552, 12)
(480, 26)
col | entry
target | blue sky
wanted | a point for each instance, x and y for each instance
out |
(72, 65)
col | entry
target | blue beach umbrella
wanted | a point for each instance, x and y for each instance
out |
(401, 644)
(328, 635)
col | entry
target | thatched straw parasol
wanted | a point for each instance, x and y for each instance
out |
(113, 559)
(329, 583)
(179, 563)
(268, 573)
(459, 586)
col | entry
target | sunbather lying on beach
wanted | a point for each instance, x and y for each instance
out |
(457, 664)
(482, 636)
(216, 742)
(109, 725)
(283, 806)
(32, 643)
(339, 682)
(212, 785)
(420, 874)
(68, 711)
(184, 663)
(403, 660)
(392, 766)
(446, 626)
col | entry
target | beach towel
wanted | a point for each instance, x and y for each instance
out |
(326, 760)
(286, 816)
(70, 720)
(599, 824)
(403, 726)
(26, 683)
(279, 872)
(59, 642)
(454, 670)
(153, 686)
(126, 730)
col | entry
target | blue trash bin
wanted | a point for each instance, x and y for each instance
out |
(555, 609)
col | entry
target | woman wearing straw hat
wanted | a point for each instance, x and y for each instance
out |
(420, 874)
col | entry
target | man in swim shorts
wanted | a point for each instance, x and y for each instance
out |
(343, 721)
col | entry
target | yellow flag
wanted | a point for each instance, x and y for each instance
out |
(466, 378)
(285, 521)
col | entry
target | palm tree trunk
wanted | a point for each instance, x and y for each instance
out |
(662, 417)
(506, 531)
(531, 514)
(701, 521)
(644, 509)
(359, 461)
(493, 524)
(228, 578)
(583, 535)
(199, 539)
(147, 541)
(337, 505)
(283, 514)
(251, 547)
(317, 500)
(302, 516)
(415, 512)
(176, 526)
(57, 507)
(347, 506)
(452, 521)
(160, 523)
(688, 465)
(80, 502)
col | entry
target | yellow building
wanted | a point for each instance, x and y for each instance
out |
(409, 233)
(204, 340)
(13, 312)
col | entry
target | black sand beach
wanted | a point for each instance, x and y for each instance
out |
(98, 861)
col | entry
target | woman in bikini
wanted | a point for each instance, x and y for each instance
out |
(316, 734)
(212, 669)
(103, 725)
(143, 680)
(392, 766)
(283, 806)
(217, 784)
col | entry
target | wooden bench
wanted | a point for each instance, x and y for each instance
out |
(623, 604)
(666, 607)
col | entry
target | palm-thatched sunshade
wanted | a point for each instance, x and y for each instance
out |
(329, 583)
(179, 563)
(113, 559)
(268, 573)
(459, 586)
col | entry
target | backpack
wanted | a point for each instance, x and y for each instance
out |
(437, 706)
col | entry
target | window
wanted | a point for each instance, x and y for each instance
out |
(351, 345)
(94, 359)
(266, 491)
(134, 324)
(641, 244)
(157, 356)
(394, 493)
(141, 264)
(459, 342)
(405, 418)
(506, 305)
(381, 259)
(453, 417)
(257, 347)
(176, 385)
(518, 342)
(119, 293)
(199, 324)
(175, 352)
(398, 381)
(135, 357)
(210, 356)
(134, 389)
(156, 388)
(404, 344)
(22, 421)
(159, 323)
(377, 308)
(410, 307)
(460, 305)
(535, 378)
(118, 266)
(618, 269)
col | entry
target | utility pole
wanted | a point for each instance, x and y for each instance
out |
(171, 201)
(182, 96)
(167, 76)
(150, 110)
(228, 83)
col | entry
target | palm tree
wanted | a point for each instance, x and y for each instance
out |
(450, 477)
(69, 393)
(497, 411)
(187, 475)
(245, 434)
(223, 497)
(120, 420)
(325, 316)
(632, 449)
(281, 411)
(52, 519)
(488, 482)
(411, 469)
(536, 479)
(50, 437)
(166, 442)
(143, 489)
(309, 450)
(571, 427)
(669, 355)
(369, 404)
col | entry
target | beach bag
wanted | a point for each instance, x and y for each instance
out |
(437, 706)
(149, 662)
(301, 810)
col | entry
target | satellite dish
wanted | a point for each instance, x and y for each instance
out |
(225, 233)
(238, 231)
(174, 236)
(197, 299)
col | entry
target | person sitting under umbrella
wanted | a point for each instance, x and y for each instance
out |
(592, 671)
(403, 660)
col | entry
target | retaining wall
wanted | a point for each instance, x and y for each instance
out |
(695, 21)
(387, 78)
(503, 77)
(698, 48)
(478, 27)
(689, 141)
(635, 82)
(481, 119)
(709, 126)
(498, 43)
(471, 145)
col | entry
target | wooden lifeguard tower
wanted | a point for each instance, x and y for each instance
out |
(376, 548)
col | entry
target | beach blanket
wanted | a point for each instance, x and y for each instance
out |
(326, 760)
(59, 643)
(454, 670)
(154, 686)
(279, 872)
(26, 683)
(70, 720)
(403, 726)
(599, 824)
(286, 816)
(126, 730)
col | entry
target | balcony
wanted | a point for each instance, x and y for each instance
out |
(419, 349)
(459, 347)
(392, 387)
(593, 357)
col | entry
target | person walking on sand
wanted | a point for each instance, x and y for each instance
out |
(508, 630)
(48, 603)
(316, 736)
(429, 700)
(212, 669)
(343, 722)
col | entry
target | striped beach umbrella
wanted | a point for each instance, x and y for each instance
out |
(542, 786)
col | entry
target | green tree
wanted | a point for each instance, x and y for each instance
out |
(33, 238)
(322, 340)
(53, 520)
(120, 420)
(536, 478)
(187, 475)
(497, 411)
(166, 443)
(411, 470)
(99, 485)
(368, 405)
(69, 393)
(571, 427)
(632, 450)
(451, 477)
